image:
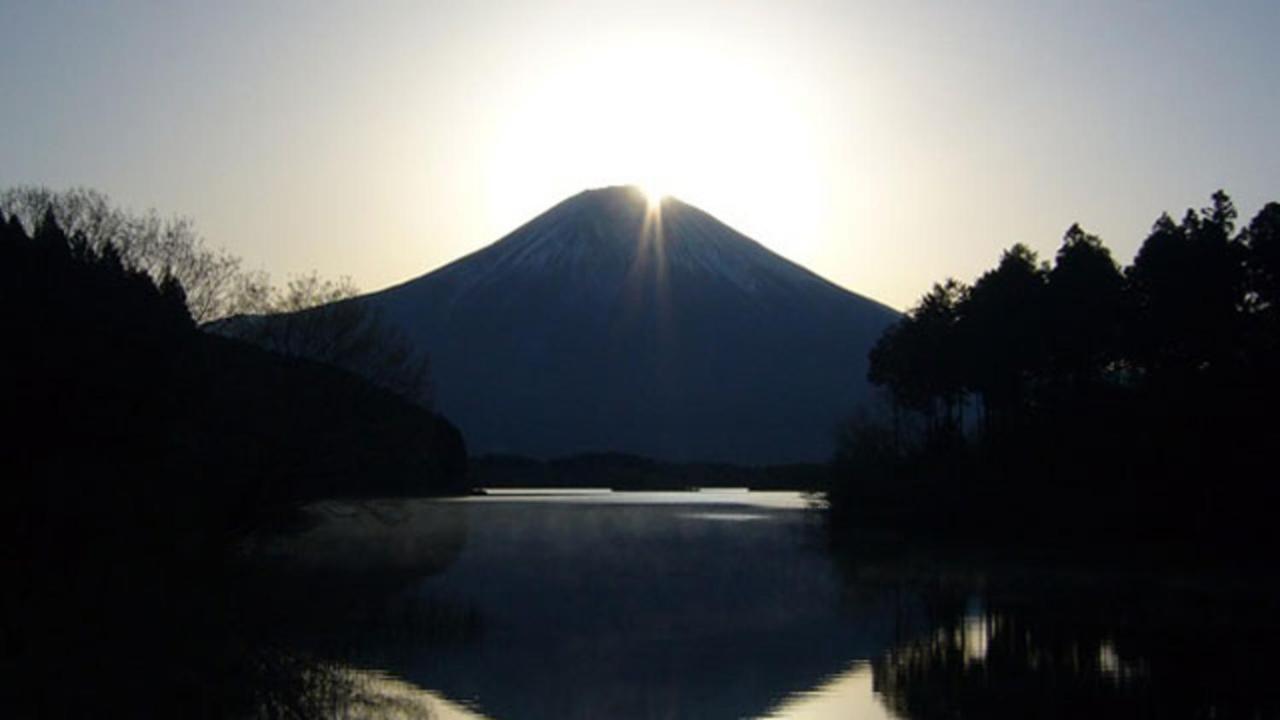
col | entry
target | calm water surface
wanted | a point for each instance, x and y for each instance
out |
(592, 604)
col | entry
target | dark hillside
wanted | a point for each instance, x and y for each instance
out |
(137, 452)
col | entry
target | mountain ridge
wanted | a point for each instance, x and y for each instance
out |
(636, 196)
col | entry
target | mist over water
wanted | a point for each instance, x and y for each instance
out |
(728, 604)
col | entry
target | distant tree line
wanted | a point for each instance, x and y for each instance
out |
(622, 471)
(1078, 397)
(138, 453)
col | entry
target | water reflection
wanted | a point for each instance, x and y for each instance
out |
(851, 694)
(637, 605)
(386, 697)
(726, 516)
(699, 605)
(1112, 646)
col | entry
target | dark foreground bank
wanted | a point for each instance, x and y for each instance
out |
(139, 452)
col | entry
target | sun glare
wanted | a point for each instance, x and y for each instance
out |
(716, 130)
(652, 194)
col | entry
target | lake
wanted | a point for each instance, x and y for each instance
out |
(729, 604)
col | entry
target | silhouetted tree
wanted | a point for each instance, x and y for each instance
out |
(1158, 288)
(1085, 300)
(51, 237)
(319, 319)
(916, 360)
(174, 299)
(1004, 331)
(1219, 258)
(1262, 265)
(1262, 238)
(214, 281)
(1188, 288)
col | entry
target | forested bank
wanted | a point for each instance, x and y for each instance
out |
(1080, 403)
(139, 451)
(621, 471)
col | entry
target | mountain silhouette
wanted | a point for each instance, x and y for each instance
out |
(612, 324)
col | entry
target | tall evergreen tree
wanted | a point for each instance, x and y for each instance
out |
(51, 237)
(1188, 287)
(1262, 238)
(1086, 295)
(916, 358)
(174, 301)
(1003, 330)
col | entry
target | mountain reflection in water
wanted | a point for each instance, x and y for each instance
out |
(729, 605)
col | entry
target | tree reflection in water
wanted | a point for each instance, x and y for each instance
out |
(1067, 647)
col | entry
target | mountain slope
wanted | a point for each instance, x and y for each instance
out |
(607, 324)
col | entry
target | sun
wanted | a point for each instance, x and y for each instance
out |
(674, 119)
(652, 193)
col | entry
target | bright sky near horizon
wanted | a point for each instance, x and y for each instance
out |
(884, 145)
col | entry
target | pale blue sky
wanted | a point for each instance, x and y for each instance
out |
(884, 145)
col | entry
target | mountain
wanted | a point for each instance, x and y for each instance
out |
(610, 324)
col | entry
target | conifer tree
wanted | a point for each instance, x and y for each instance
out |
(1086, 295)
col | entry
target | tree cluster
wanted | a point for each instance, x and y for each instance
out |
(308, 317)
(318, 319)
(215, 281)
(1080, 384)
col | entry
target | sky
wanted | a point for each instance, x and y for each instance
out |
(884, 145)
